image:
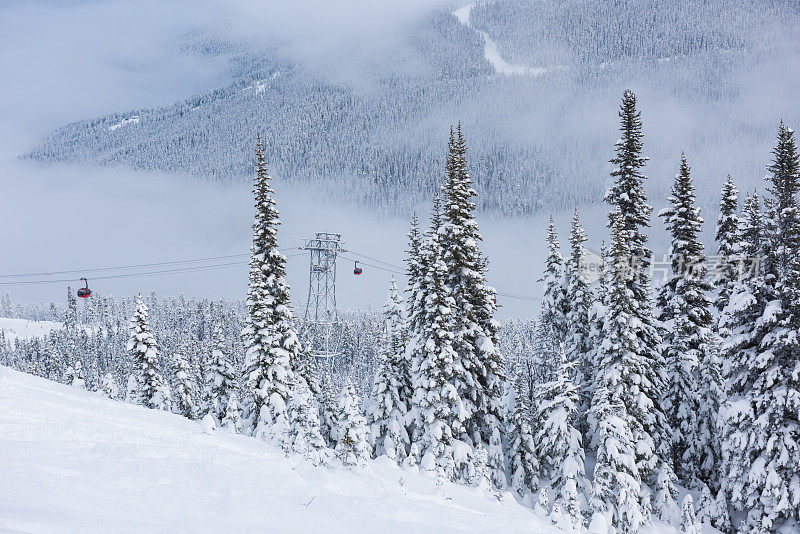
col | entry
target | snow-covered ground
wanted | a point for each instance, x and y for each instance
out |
(14, 329)
(73, 461)
(491, 52)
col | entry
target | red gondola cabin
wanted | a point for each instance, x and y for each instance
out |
(85, 292)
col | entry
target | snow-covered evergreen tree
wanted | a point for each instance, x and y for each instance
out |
(523, 461)
(109, 386)
(688, 340)
(50, 362)
(546, 349)
(438, 409)
(479, 384)
(631, 214)
(183, 385)
(625, 370)
(579, 297)
(391, 392)
(304, 425)
(689, 523)
(705, 506)
(220, 376)
(416, 272)
(232, 419)
(728, 241)
(558, 441)
(570, 505)
(480, 460)
(720, 518)
(597, 317)
(74, 375)
(753, 233)
(554, 303)
(329, 410)
(783, 214)
(71, 314)
(767, 483)
(270, 339)
(146, 385)
(616, 491)
(352, 446)
(742, 319)
(665, 498)
(542, 506)
(710, 397)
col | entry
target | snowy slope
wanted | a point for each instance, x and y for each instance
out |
(73, 461)
(491, 51)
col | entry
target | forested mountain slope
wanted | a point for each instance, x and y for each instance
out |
(374, 138)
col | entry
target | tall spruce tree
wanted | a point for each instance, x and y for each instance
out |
(645, 373)
(391, 389)
(480, 382)
(771, 489)
(579, 297)
(416, 284)
(623, 376)
(741, 319)
(597, 315)
(688, 340)
(728, 243)
(554, 303)
(439, 411)
(783, 216)
(270, 339)
(546, 350)
(522, 457)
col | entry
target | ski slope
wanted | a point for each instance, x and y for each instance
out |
(74, 461)
(491, 52)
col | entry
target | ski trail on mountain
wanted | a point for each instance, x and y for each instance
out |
(492, 53)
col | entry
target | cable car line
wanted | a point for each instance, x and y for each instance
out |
(190, 269)
(371, 265)
(392, 268)
(137, 266)
(499, 293)
(128, 275)
(375, 259)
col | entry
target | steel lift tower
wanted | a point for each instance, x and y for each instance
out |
(321, 314)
